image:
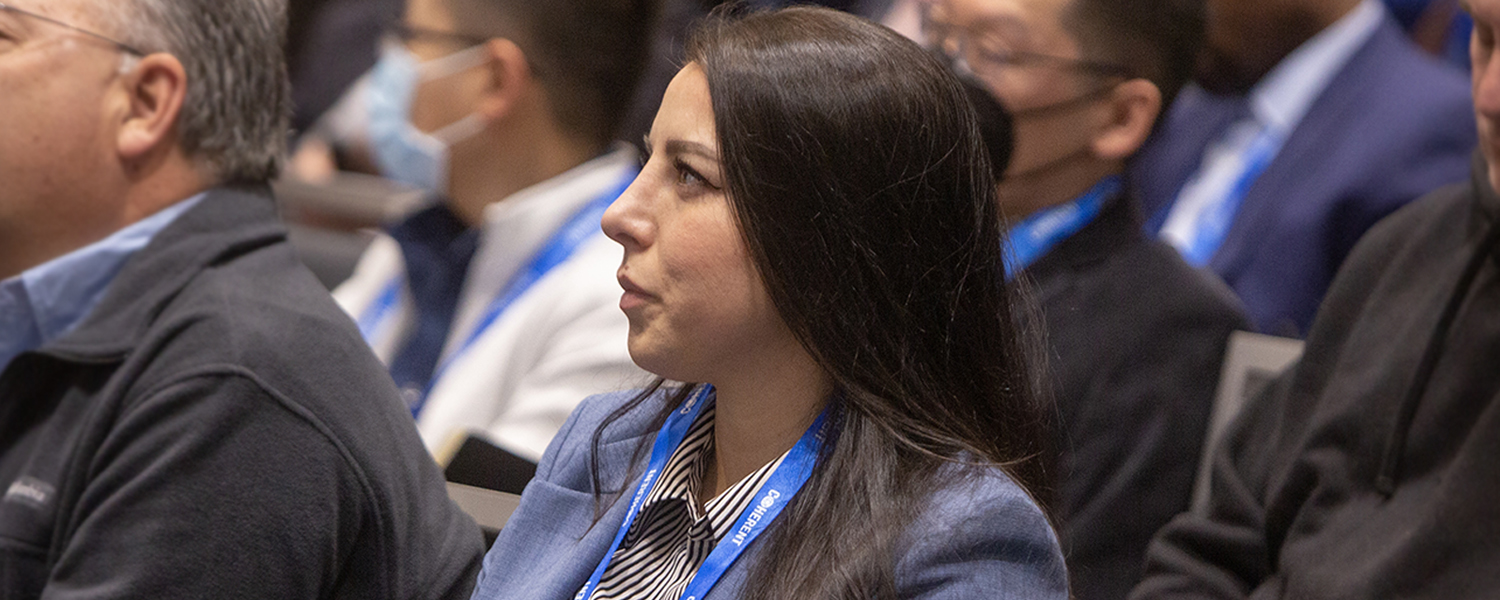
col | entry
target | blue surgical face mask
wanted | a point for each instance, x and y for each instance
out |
(404, 153)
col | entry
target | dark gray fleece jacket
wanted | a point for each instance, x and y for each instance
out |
(1372, 470)
(216, 428)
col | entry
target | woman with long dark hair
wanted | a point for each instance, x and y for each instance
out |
(815, 240)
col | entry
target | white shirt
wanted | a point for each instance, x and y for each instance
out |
(1277, 105)
(562, 340)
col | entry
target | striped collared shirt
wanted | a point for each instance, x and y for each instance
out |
(672, 536)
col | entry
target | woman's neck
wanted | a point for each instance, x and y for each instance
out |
(759, 414)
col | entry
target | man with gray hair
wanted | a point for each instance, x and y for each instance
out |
(184, 412)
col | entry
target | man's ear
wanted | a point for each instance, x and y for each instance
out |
(1131, 111)
(155, 90)
(510, 79)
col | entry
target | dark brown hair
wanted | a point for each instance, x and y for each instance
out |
(1155, 39)
(588, 55)
(863, 190)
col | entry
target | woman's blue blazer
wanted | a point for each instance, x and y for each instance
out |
(982, 537)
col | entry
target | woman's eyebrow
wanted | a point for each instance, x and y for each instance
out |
(688, 147)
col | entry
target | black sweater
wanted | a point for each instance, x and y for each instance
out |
(216, 428)
(1372, 470)
(1136, 338)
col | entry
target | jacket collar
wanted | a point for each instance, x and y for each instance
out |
(228, 222)
(1116, 227)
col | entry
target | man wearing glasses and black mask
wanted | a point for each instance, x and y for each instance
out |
(184, 412)
(1135, 335)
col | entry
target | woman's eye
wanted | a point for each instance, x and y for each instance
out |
(689, 177)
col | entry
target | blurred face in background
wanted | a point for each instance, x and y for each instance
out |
(1023, 52)
(1247, 38)
(1483, 52)
(423, 95)
(57, 144)
(981, 32)
(434, 34)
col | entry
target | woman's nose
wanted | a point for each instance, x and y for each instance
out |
(626, 221)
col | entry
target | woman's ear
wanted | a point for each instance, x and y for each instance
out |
(510, 79)
(1132, 108)
(155, 88)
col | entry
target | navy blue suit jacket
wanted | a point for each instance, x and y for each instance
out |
(1392, 125)
(980, 538)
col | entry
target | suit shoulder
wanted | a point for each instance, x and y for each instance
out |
(566, 460)
(1151, 276)
(981, 493)
(594, 410)
(981, 534)
(1198, 288)
(1426, 97)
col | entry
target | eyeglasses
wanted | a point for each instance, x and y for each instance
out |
(126, 48)
(958, 44)
(407, 34)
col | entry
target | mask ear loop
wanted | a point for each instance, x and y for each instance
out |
(1066, 105)
(459, 130)
(446, 66)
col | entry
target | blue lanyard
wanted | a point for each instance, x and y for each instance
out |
(778, 489)
(1033, 237)
(1212, 225)
(384, 303)
(557, 250)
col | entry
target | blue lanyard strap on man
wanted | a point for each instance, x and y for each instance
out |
(1201, 228)
(556, 251)
(778, 489)
(1032, 238)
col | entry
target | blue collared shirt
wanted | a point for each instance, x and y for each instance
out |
(47, 301)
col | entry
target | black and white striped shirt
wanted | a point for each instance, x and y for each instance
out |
(671, 536)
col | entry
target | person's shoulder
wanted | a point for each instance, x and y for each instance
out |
(1396, 258)
(619, 420)
(243, 302)
(594, 410)
(1400, 58)
(1439, 216)
(1193, 291)
(264, 313)
(1146, 284)
(986, 494)
(378, 266)
(1407, 92)
(259, 315)
(980, 534)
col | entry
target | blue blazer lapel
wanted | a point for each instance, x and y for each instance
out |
(1306, 170)
(553, 541)
(541, 568)
(1172, 155)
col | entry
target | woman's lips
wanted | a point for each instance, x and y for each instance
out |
(634, 296)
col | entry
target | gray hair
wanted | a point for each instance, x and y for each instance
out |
(234, 120)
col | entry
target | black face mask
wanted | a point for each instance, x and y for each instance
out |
(995, 124)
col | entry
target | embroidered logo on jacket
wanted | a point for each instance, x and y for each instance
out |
(30, 491)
